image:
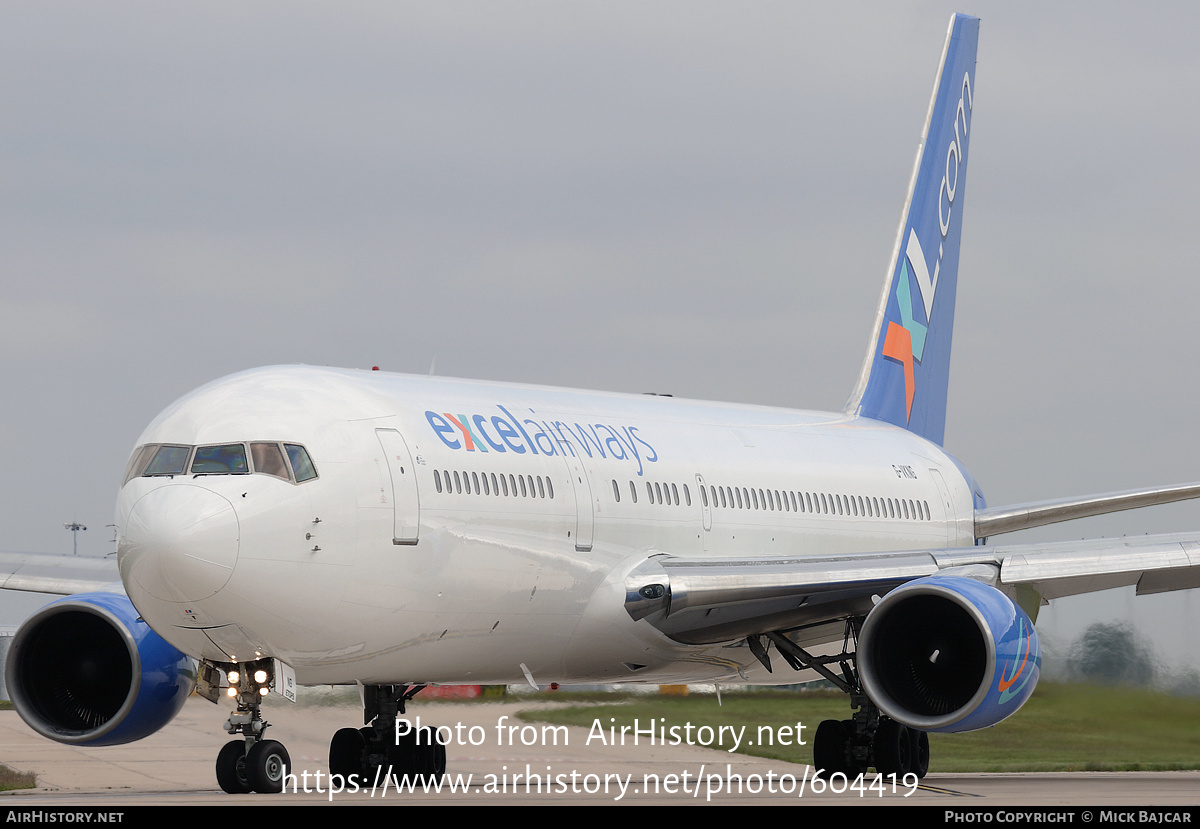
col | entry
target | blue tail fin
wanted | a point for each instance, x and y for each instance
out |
(906, 374)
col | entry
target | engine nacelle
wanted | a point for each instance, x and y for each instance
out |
(86, 670)
(948, 654)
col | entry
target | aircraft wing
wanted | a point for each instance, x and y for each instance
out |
(700, 601)
(59, 575)
(996, 520)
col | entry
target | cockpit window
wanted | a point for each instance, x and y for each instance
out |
(269, 460)
(229, 459)
(137, 463)
(169, 460)
(286, 461)
(302, 465)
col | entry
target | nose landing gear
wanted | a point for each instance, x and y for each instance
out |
(251, 764)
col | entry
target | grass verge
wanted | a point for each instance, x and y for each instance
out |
(1061, 728)
(11, 779)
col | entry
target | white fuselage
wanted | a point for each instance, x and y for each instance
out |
(476, 532)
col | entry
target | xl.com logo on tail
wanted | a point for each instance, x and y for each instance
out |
(906, 343)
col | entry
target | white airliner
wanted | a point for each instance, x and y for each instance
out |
(299, 525)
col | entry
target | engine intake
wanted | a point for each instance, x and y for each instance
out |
(948, 654)
(86, 670)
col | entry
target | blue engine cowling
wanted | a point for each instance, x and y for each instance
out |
(86, 670)
(948, 654)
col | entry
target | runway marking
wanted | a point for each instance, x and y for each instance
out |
(938, 790)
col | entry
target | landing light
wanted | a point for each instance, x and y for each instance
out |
(231, 691)
(234, 677)
(260, 677)
(263, 691)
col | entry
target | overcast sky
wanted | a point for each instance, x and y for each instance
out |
(688, 197)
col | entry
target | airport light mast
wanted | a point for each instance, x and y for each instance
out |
(74, 527)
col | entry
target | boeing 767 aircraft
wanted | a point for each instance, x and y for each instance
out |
(299, 525)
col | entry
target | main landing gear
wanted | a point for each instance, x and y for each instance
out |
(380, 748)
(251, 763)
(868, 738)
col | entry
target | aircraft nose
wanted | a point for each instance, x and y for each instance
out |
(180, 543)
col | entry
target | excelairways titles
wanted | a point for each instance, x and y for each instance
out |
(505, 433)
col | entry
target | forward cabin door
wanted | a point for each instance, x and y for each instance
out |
(406, 506)
(581, 486)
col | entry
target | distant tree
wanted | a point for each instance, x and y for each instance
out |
(1113, 654)
(1056, 658)
(1185, 683)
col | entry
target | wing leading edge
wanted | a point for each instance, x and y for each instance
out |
(58, 575)
(998, 520)
(703, 601)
